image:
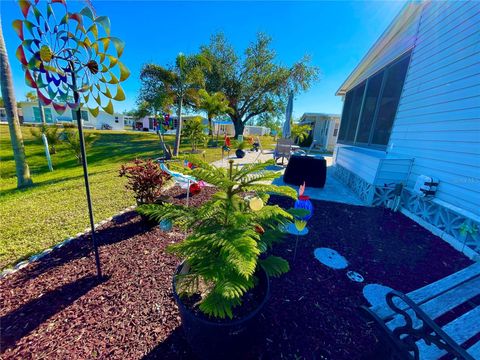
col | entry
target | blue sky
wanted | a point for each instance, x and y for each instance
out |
(337, 34)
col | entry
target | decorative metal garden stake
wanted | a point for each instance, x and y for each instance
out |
(299, 225)
(303, 202)
(78, 46)
(76, 97)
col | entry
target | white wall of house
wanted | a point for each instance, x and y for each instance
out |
(436, 125)
(30, 112)
(256, 130)
(438, 118)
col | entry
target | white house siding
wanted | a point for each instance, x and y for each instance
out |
(116, 121)
(358, 162)
(438, 119)
(373, 166)
(403, 40)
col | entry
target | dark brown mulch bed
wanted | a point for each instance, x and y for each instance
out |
(57, 308)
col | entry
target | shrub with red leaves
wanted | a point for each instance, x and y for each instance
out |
(145, 179)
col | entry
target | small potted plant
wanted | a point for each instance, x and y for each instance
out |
(240, 152)
(223, 282)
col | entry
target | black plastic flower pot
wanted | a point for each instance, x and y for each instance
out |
(222, 339)
(240, 153)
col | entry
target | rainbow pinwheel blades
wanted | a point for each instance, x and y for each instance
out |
(100, 74)
(55, 49)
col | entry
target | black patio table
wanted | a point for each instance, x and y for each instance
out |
(305, 168)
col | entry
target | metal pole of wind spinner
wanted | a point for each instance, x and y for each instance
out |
(71, 58)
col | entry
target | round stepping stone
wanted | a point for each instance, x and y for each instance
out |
(291, 229)
(375, 294)
(354, 276)
(330, 258)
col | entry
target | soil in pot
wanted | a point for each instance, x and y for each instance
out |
(214, 338)
(240, 153)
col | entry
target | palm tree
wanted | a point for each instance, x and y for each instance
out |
(194, 130)
(21, 166)
(214, 105)
(182, 81)
(31, 96)
(300, 132)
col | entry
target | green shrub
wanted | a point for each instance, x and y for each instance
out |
(194, 130)
(230, 240)
(52, 134)
(72, 139)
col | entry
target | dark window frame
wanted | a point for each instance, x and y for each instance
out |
(365, 83)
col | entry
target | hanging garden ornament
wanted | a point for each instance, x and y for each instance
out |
(165, 225)
(63, 53)
(304, 202)
(255, 203)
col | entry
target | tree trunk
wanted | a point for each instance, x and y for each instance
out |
(210, 130)
(179, 127)
(21, 166)
(239, 126)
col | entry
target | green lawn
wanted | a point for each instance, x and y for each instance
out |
(55, 207)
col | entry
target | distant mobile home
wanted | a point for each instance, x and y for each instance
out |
(324, 128)
(411, 112)
(31, 115)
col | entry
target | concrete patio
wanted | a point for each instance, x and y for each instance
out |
(334, 190)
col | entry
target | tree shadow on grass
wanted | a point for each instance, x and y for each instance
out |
(44, 183)
(29, 316)
(122, 229)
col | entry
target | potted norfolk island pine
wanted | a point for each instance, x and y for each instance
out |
(223, 282)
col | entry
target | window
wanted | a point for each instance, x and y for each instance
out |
(47, 112)
(48, 115)
(345, 115)
(395, 77)
(84, 115)
(151, 123)
(335, 132)
(36, 114)
(370, 108)
(373, 89)
(355, 112)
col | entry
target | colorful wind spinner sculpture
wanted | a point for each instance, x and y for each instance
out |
(73, 53)
(71, 61)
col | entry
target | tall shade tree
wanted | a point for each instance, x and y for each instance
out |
(214, 104)
(180, 81)
(254, 83)
(16, 138)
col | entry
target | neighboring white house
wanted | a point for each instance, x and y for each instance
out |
(31, 115)
(411, 108)
(220, 127)
(3, 115)
(324, 128)
(254, 130)
(149, 122)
